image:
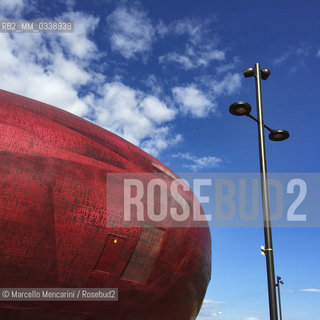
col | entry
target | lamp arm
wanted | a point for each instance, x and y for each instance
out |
(256, 120)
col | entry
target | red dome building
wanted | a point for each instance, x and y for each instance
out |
(58, 231)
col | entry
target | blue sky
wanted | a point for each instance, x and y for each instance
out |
(162, 74)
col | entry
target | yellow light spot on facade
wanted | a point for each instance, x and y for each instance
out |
(115, 241)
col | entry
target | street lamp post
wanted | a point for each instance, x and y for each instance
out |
(244, 108)
(279, 281)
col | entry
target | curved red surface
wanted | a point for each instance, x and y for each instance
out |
(54, 228)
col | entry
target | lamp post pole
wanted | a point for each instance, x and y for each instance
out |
(279, 281)
(242, 108)
(265, 201)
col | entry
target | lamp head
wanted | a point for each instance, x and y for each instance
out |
(265, 73)
(278, 135)
(249, 72)
(240, 108)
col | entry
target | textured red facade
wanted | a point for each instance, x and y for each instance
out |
(55, 228)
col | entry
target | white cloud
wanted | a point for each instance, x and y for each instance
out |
(200, 103)
(229, 66)
(131, 31)
(208, 317)
(64, 69)
(157, 110)
(251, 318)
(70, 4)
(208, 302)
(279, 60)
(187, 26)
(137, 117)
(216, 314)
(162, 138)
(11, 7)
(192, 28)
(193, 101)
(200, 49)
(318, 53)
(118, 110)
(184, 60)
(78, 43)
(56, 68)
(297, 52)
(310, 290)
(161, 29)
(228, 85)
(152, 83)
(197, 163)
(38, 66)
(194, 58)
(208, 309)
